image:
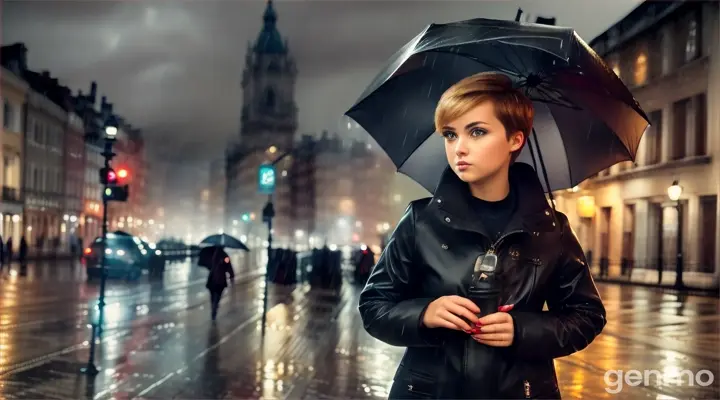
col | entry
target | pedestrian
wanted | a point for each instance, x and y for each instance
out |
(487, 226)
(23, 251)
(9, 250)
(221, 269)
(2, 253)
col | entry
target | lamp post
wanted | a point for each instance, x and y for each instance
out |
(674, 192)
(266, 185)
(110, 131)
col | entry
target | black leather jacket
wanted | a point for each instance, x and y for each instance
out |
(432, 253)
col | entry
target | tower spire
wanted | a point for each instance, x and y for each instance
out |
(269, 40)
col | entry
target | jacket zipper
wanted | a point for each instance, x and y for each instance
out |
(526, 388)
(494, 246)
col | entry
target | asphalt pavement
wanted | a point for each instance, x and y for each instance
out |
(160, 343)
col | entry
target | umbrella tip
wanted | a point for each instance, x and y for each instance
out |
(518, 14)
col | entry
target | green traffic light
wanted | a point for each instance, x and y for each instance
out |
(246, 217)
(108, 192)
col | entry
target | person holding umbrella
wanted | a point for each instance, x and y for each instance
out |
(217, 260)
(488, 228)
(479, 112)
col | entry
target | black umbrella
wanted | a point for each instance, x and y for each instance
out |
(212, 255)
(224, 240)
(585, 117)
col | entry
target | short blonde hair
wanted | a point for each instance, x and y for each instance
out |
(512, 108)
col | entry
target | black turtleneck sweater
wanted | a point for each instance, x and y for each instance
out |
(495, 215)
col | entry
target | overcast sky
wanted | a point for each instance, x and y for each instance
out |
(173, 68)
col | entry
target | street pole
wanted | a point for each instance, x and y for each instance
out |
(268, 214)
(91, 368)
(679, 248)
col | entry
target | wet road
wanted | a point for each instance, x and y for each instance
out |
(160, 343)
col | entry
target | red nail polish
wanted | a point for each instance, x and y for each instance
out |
(475, 331)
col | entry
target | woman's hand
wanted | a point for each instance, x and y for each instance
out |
(496, 329)
(449, 311)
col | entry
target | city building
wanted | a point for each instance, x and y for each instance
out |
(339, 193)
(267, 129)
(668, 53)
(303, 192)
(74, 180)
(14, 94)
(217, 187)
(92, 212)
(43, 158)
(133, 215)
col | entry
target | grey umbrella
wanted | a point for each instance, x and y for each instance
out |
(225, 241)
(586, 118)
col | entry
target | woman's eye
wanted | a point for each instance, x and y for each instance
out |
(449, 135)
(478, 132)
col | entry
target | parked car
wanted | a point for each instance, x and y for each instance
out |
(126, 257)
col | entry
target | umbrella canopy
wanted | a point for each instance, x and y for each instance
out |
(224, 240)
(211, 255)
(586, 119)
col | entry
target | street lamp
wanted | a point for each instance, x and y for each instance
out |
(110, 134)
(674, 192)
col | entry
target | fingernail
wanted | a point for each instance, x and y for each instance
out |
(505, 308)
(467, 331)
(475, 331)
(478, 323)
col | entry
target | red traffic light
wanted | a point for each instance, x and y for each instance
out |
(111, 176)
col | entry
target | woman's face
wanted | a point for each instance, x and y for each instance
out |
(476, 145)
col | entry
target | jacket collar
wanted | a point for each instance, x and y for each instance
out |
(534, 214)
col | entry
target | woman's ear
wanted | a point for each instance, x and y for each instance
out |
(517, 140)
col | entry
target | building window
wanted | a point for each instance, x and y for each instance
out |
(8, 122)
(679, 116)
(270, 98)
(708, 211)
(653, 139)
(691, 44)
(641, 69)
(701, 125)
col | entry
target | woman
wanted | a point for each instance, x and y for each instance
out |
(485, 206)
(217, 281)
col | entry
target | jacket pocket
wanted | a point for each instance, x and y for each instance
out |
(412, 384)
(539, 382)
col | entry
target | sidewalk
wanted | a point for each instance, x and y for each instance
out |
(316, 348)
(700, 284)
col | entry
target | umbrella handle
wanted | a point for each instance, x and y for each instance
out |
(544, 170)
(518, 15)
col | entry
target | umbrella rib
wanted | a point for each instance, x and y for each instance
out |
(471, 57)
(559, 100)
(522, 64)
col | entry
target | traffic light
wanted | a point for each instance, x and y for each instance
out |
(108, 176)
(123, 173)
(116, 193)
(245, 217)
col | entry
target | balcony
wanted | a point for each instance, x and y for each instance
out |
(11, 194)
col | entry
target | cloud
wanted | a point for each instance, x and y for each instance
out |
(174, 68)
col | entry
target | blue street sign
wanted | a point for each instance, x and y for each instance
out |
(266, 179)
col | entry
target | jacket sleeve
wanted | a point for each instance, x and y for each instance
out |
(576, 313)
(388, 310)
